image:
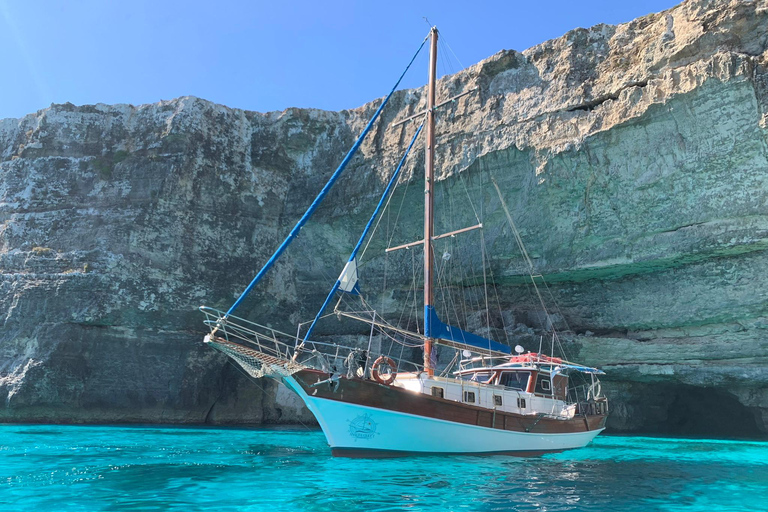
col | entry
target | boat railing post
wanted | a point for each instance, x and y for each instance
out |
(257, 341)
(370, 343)
(336, 357)
(274, 340)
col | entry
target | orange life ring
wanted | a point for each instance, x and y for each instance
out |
(376, 374)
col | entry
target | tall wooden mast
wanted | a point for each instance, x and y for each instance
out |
(429, 167)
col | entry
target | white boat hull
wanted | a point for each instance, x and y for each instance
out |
(358, 430)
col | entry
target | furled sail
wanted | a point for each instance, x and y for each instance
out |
(452, 336)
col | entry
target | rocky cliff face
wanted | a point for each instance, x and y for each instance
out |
(633, 157)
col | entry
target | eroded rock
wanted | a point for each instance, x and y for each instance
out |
(633, 157)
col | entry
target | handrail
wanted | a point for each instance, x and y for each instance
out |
(280, 344)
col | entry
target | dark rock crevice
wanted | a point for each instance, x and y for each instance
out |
(676, 409)
(588, 106)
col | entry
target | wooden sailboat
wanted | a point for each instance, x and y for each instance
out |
(373, 404)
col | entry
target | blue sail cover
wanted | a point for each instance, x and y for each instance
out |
(434, 328)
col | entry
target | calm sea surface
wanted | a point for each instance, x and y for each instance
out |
(46, 467)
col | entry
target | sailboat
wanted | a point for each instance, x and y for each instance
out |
(369, 402)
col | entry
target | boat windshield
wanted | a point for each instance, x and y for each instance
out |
(515, 380)
(483, 377)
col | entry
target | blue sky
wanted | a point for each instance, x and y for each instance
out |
(259, 55)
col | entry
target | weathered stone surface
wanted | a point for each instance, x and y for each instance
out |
(633, 157)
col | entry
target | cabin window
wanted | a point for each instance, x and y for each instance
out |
(497, 400)
(483, 377)
(515, 380)
(543, 384)
(560, 386)
(469, 396)
(521, 403)
(438, 392)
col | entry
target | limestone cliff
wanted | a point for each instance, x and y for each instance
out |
(634, 159)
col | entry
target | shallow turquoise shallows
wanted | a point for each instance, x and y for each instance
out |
(46, 467)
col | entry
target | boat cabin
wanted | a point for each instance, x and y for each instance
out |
(538, 381)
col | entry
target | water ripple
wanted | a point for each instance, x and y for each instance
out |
(152, 468)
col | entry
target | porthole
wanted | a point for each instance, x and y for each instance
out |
(521, 403)
(497, 400)
(469, 396)
(438, 392)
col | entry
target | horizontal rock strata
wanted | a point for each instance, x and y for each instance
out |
(633, 158)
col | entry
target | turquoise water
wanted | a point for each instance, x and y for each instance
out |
(47, 467)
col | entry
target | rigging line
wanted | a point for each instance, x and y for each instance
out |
(445, 290)
(445, 41)
(541, 301)
(496, 295)
(319, 199)
(474, 299)
(382, 325)
(483, 257)
(520, 243)
(469, 199)
(485, 280)
(515, 232)
(562, 316)
(451, 302)
(498, 303)
(368, 226)
(459, 315)
(384, 284)
(393, 192)
(399, 342)
(453, 243)
(463, 278)
(441, 283)
(400, 209)
(447, 273)
(449, 279)
(442, 61)
(414, 309)
(402, 349)
(446, 61)
(406, 303)
(322, 317)
(557, 306)
(417, 308)
(466, 295)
